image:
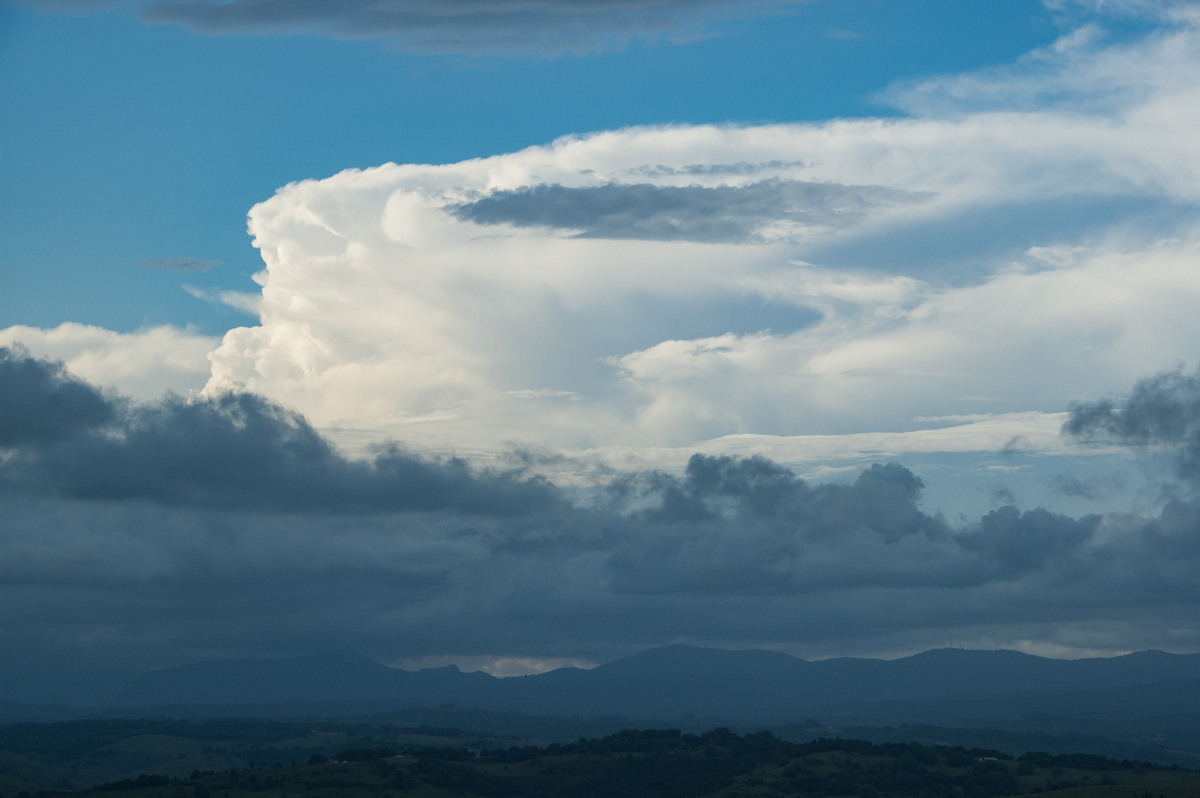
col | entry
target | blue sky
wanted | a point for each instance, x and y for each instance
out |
(541, 333)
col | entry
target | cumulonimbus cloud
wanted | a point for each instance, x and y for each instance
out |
(536, 295)
(386, 306)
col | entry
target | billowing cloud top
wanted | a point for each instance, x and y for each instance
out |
(663, 286)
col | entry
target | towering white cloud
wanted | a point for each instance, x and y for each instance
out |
(1025, 238)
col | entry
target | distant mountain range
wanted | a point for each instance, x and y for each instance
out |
(941, 686)
(1139, 706)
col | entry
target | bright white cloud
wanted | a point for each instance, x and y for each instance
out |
(1025, 338)
(143, 364)
(664, 286)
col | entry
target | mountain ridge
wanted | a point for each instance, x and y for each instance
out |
(662, 682)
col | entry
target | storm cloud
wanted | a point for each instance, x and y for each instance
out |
(1162, 411)
(227, 451)
(41, 402)
(752, 213)
(143, 534)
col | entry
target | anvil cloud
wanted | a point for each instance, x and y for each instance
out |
(672, 285)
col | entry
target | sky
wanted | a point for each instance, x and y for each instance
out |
(516, 335)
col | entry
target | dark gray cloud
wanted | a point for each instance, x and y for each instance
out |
(736, 526)
(1020, 542)
(1161, 411)
(232, 451)
(137, 535)
(720, 214)
(883, 499)
(458, 26)
(41, 403)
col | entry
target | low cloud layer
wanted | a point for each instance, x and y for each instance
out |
(120, 520)
(43, 404)
(228, 451)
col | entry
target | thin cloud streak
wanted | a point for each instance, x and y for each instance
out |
(503, 27)
(718, 214)
(182, 264)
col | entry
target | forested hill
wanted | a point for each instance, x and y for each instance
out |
(670, 764)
